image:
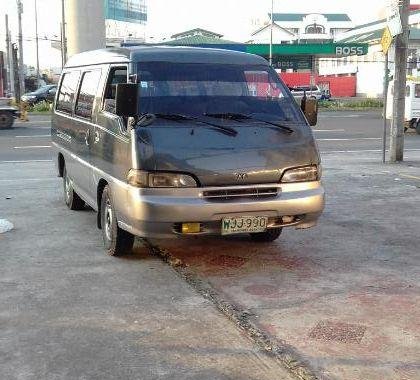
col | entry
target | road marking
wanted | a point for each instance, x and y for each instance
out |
(339, 116)
(409, 176)
(27, 179)
(33, 136)
(353, 139)
(363, 150)
(34, 122)
(23, 161)
(32, 147)
(328, 130)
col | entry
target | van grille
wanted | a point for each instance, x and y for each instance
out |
(249, 192)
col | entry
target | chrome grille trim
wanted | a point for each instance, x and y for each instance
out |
(224, 193)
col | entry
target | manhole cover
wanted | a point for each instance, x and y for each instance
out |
(228, 261)
(337, 331)
(5, 226)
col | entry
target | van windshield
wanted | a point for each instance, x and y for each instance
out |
(199, 88)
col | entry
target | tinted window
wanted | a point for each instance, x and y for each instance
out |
(116, 75)
(87, 92)
(67, 91)
(206, 88)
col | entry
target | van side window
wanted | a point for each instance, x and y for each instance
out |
(67, 91)
(116, 75)
(87, 93)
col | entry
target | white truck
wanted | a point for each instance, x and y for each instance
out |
(412, 104)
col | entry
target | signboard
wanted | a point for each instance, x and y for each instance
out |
(394, 18)
(386, 40)
(293, 63)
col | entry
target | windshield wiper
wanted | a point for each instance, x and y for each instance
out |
(241, 116)
(180, 117)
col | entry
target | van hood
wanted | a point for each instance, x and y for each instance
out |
(262, 152)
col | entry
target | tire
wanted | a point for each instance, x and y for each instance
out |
(117, 242)
(267, 236)
(6, 120)
(418, 128)
(73, 201)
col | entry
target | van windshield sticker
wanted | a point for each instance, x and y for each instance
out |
(143, 84)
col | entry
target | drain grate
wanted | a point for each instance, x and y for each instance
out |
(338, 332)
(226, 261)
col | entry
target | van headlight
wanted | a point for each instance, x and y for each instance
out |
(302, 174)
(141, 178)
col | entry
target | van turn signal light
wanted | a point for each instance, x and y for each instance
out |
(190, 228)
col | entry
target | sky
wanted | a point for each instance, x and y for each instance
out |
(232, 18)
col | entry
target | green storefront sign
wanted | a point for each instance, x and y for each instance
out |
(293, 62)
(328, 49)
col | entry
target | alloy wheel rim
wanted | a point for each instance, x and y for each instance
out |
(67, 186)
(108, 220)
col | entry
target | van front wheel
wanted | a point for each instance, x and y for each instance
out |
(117, 242)
(267, 236)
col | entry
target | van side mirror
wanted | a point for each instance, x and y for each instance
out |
(309, 107)
(127, 99)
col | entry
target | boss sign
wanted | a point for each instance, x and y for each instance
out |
(349, 50)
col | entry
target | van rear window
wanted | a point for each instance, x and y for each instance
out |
(67, 91)
(87, 92)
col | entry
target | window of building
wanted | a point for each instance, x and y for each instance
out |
(67, 91)
(116, 75)
(315, 29)
(87, 92)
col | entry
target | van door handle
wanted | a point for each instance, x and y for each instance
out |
(97, 137)
(87, 137)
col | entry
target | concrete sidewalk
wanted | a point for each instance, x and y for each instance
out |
(68, 311)
(346, 294)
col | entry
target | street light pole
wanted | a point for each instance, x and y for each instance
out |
(271, 34)
(20, 40)
(63, 34)
(37, 45)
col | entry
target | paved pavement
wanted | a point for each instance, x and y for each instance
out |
(68, 311)
(346, 294)
(341, 300)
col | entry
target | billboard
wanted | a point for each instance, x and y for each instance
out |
(132, 11)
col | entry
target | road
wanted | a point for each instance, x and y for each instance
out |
(336, 132)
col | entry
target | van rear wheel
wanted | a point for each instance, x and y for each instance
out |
(117, 242)
(267, 236)
(73, 201)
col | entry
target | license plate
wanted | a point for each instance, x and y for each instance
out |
(244, 224)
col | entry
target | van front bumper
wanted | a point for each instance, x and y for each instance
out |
(157, 213)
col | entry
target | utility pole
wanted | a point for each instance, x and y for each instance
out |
(401, 48)
(63, 34)
(271, 34)
(21, 74)
(9, 66)
(37, 45)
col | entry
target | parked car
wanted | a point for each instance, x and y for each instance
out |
(8, 113)
(171, 142)
(44, 93)
(310, 91)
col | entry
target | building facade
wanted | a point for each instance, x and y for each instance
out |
(369, 69)
(302, 28)
(125, 20)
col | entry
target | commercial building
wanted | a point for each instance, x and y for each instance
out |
(125, 19)
(369, 68)
(302, 28)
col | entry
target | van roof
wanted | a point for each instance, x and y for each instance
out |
(177, 54)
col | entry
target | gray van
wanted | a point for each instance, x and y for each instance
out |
(179, 141)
